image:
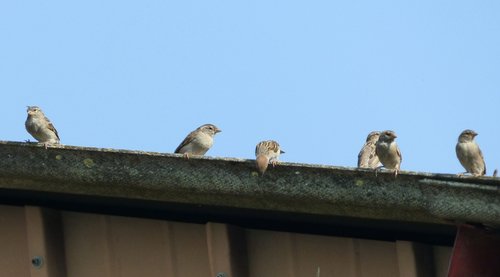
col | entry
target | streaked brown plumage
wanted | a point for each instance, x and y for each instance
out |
(469, 154)
(388, 151)
(367, 158)
(40, 127)
(267, 152)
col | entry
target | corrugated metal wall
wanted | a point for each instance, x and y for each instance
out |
(43, 242)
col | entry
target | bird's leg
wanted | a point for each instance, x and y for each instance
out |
(396, 171)
(377, 169)
(45, 144)
(186, 155)
(274, 163)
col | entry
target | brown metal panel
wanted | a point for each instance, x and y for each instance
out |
(442, 256)
(138, 247)
(377, 259)
(86, 245)
(108, 246)
(287, 254)
(323, 256)
(189, 249)
(219, 249)
(14, 257)
(406, 259)
(104, 246)
(45, 242)
(226, 250)
(415, 259)
(269, 254)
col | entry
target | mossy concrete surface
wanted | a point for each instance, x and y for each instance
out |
(234, 183)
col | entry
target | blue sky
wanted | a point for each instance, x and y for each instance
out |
(317, 76)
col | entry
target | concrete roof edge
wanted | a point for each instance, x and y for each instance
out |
(234, 183)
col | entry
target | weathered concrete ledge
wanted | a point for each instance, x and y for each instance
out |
(234, 183)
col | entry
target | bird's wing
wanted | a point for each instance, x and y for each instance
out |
(362, 156)
(189, 138)
(482, 159)
(257, 148)
(52, 128)
(266, 147)
(273, 146)
(399, 154)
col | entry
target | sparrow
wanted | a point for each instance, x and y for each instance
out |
(266, 152)
(198, 141)
(388, 151)
(469, 154)
(40, 127)
(367, 157)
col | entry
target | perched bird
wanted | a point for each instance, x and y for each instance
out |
(469, 154)
(367, 158)
(198, 141)
(40, 127)
(388, 151)
(266, 152)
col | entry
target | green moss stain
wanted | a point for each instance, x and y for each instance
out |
(89, 163)
(359, 182)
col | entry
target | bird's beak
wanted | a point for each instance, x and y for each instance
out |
(217, 130)
(282, 152)
(394, 136)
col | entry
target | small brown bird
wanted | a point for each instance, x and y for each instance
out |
(367, 158)
(40, 127)
(388, 151)
(199, 141)
(469, 154)
(267, 152)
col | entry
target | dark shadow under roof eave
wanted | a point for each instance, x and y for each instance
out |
(436, 234)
